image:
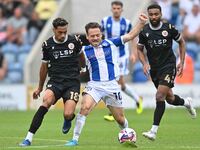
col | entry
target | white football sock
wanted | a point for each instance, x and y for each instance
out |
(29, 136)
(80, 122)
(154, 128)
(186, 102)
(131, 93)
(125, 124)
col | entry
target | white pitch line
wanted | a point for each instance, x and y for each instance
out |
(36, 147)
(35, 139)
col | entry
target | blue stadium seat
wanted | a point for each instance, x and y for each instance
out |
(138, 74)
(15, 76)
(24, 48)
(10, 57)
(10, 47)
(21, 58)
(192, 53)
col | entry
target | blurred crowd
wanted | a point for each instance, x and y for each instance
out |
(22, 20)
(185, 15)
(20, 24)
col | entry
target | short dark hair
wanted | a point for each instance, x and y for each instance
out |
(59, 22)
(154, 6)
(117, 3)
(92, 25)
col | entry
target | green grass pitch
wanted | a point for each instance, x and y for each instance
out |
(177, 131)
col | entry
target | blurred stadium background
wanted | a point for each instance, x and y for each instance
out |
(25, 24)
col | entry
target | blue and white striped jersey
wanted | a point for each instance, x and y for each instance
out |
(112, 28)
(102, 61)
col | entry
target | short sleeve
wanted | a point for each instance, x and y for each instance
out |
(141, 39)
(45, 55)
(175, 33)
(78, 44)
(117, 41)
(129, 27)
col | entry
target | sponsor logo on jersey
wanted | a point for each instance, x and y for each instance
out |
(108, 25)
(164, 33)
(71, 45)
(157, 43)
(56, 54)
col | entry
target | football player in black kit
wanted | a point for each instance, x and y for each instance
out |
(61, 56)
(157, 38)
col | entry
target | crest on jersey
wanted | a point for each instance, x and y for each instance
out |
(123, 27)
(56, 54)
(164, 33)
(71, 45)
(104, 44)
(147, 34)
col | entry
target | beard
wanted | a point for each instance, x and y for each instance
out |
(155, 23)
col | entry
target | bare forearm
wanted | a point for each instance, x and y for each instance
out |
(134, 32)
(182, 51)
(82, 60)
(141, 57)
(43, 74)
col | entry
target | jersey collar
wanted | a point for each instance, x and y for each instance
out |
(157, 28)
(54, 39)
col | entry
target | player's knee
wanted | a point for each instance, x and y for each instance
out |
(85, 110)
(160, 96)
(68, 115)
(47, 102)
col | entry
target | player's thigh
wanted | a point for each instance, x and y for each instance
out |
(49, 98)
(167, 76)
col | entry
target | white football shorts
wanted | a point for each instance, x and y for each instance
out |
(108, 91)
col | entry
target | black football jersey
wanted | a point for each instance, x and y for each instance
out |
(1, 59)
(158, 43)
(62, 58)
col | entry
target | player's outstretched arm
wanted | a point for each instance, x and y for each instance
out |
(143, 60)
(43, 75)
(136, 29)
(181, 56)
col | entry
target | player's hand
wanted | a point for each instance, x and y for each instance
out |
(146, 69)
(143, 18)
(36, 93)
(179, 69)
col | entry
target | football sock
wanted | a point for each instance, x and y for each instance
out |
(154, 128)
(158, 113)
(29, 136)
(125, 125)
(131, 93)
(80, 122)
(37, 119)
(178, 101)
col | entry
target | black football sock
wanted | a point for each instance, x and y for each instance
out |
(37, 119)
(178, 101)
(158, 113)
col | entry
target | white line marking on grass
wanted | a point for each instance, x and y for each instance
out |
(36, 147)
(35, 139)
